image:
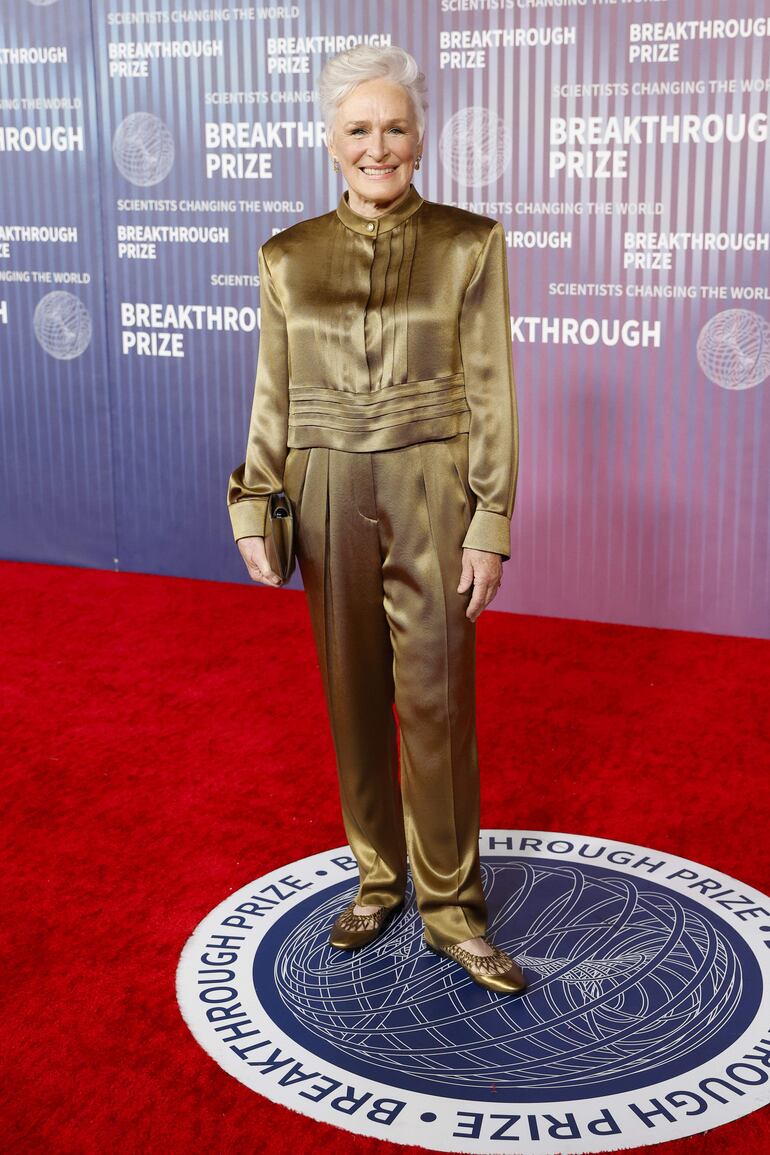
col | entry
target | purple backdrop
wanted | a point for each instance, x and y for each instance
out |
(623, 147)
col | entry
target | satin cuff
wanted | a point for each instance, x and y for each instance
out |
(489, 531)
(248, 517)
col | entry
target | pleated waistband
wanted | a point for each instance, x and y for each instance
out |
(382, 419)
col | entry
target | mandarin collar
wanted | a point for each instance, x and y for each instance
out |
(372, 226)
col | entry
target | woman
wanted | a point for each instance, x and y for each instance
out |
(384, 406)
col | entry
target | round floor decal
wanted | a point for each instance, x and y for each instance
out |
(647, 1017)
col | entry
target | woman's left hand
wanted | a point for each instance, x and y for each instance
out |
(484, 571)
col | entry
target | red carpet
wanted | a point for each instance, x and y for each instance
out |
(165, 742)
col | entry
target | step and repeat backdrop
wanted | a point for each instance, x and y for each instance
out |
(149, 148)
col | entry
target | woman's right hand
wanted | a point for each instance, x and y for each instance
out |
(254, 554)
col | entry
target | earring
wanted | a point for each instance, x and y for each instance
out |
(336, 165)
(417, 162)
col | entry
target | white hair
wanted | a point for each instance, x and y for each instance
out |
(341, 73)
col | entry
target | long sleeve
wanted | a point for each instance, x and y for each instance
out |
(262, 472)
(493, 436)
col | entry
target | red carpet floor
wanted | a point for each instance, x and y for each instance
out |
(165, 742)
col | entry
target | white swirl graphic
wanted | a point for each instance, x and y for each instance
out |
(733, 349)
(62, 325)
(475, 146)
(143, 148)
(626, 978)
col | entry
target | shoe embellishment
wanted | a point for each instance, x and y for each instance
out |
(496, 963)
(496, 971)
(347, 920)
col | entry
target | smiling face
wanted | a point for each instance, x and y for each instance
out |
(374, 137)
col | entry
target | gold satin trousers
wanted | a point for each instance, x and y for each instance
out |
(379, 547)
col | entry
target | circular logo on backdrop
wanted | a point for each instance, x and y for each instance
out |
(733, 349)
(647, 1017)
(143, 148)
(62, 325)
(475, 146)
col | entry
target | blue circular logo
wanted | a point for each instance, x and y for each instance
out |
(644, 1019)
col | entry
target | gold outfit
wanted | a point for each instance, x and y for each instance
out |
(384, 405)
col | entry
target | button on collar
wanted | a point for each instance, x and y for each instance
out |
(382, 224)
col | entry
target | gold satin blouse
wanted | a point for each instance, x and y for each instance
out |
(380, 333)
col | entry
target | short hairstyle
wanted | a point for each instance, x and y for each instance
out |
(341, 73)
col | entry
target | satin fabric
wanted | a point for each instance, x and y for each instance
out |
(380, 549)
(377, 334)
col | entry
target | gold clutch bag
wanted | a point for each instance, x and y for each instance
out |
(280, 535)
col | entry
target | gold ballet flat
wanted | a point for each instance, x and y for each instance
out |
(496, 971)
(353, 930)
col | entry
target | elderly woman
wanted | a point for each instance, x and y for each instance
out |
(384, 407)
